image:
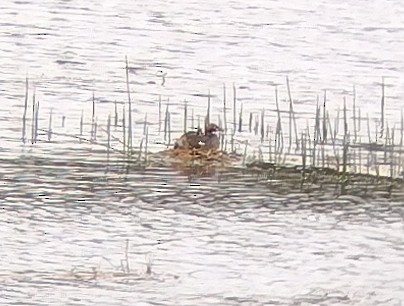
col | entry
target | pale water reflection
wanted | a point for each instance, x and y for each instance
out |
(207, 240)
(226, 238)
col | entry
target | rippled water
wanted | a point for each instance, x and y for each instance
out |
(226, 238)
(70, 49)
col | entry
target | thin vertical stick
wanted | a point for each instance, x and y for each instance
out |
(130, 106)
(92, 129)
(278, 132)
(145, 124)
(353, 160)
(81, 123)
(50, 125)
(166, 124)
(308, 138)
(400, 150)
(269, 130)
(359, 119)
(280, 140)
(234, 112)
(317, 131)
(330, 129)
(24, 116)
(159, 114)
(93, 118)
(317, 134)
(207, 121)
(360, 158)
(116, 115)
(146, 145)
(124, 129)
(313, 158)
(369, 161)
(402, 130)
(386, 143)
(270, 148)
(291, 116)
(93, 101)
(324, 118)
(382, 110)
(169, 128)
(354, 113)
(334, 147)
(304, 151)
(250, 122)
(36, 121)
(345, 144)
(323, 154)
(234, 117)
(392, 154)
(256, 125)
(277, 137)
(240, 121)
(336, 124)
(224, 110)
(262, 125)
(140, 150)
(221, 136)
(108, 136)
(185, 115)
(368, 121)
(95, 129)
(33, 118)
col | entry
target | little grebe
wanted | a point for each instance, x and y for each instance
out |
(198, 140)
(189, 140)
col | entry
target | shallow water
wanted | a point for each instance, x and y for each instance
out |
(70, 49)
(226, 238)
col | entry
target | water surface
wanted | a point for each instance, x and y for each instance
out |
(224, 239)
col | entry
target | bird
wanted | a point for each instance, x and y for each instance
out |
(189, 140)
(198, 140)
(210, 139)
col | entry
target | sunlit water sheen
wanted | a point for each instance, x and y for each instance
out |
(225, 239)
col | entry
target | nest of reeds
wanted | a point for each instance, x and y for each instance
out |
(203, 156)
(200, 161)
(194, 161)
(198, 154)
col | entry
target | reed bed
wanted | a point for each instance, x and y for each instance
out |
(360, 147)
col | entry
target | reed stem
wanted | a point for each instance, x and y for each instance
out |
(24, 116)
(33, 118)
(224, 110)
(129, 106)
(50, 125)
